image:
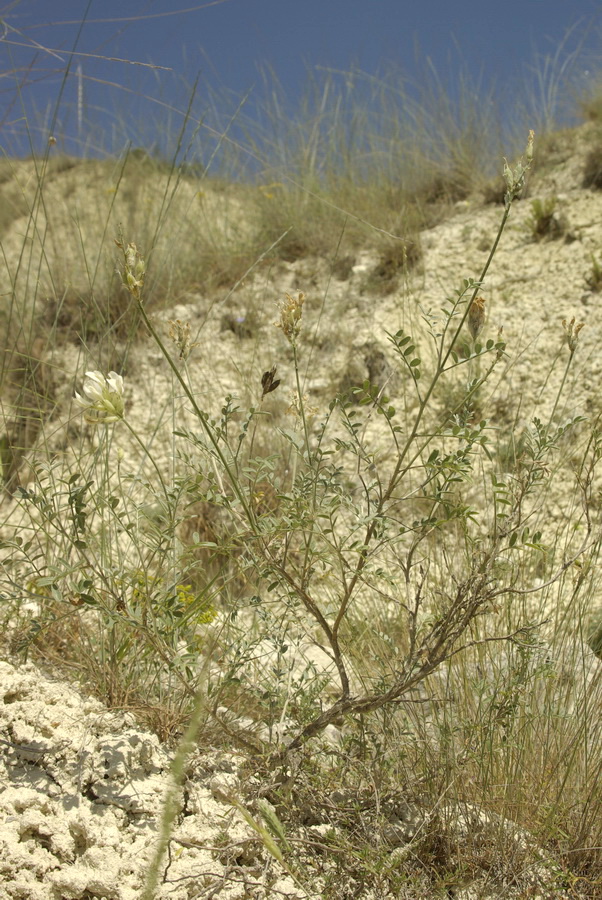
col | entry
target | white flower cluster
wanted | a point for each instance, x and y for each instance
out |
(102, 399)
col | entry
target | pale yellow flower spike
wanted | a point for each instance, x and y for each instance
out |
(476, 317)
(291, 311)
(572, 333)
(179, 332)
(515, 178)
(134, 269)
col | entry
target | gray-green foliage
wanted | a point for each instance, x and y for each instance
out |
(388, 523)
(358, 524)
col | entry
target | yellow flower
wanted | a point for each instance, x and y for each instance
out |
(291, 311)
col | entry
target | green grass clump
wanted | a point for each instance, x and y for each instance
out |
(594, 277)
(545, 222)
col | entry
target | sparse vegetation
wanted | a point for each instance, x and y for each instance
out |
(594, 277)
(354, 578)
(591, 104)
(546, 222)
(592, 170)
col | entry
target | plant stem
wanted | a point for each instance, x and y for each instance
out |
(201, 416)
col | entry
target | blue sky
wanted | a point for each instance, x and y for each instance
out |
(228, 42)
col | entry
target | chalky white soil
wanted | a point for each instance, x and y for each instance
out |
(80, 793)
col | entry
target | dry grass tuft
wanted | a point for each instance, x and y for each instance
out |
(592, 170)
